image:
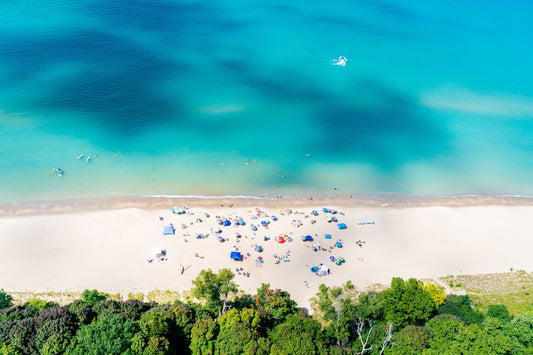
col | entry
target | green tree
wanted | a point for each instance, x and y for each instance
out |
(92, 297)
(407, 303)
(499, 311)
(203, 336)
(240, 332)
(461, 306)
(411, 340)
(338, 311)
(214, 289)
(276, 303)
(437, 295)
(104, 336)
(298, 335)
(5, 299)
(520, 331)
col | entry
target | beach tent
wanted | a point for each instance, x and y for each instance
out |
(220, 221)
(341, 226)
(308, 238)
(274, 218)
(325, 210)
(338, 245)
(327, 236)
(281, 240)
(314, 213)
(258, 248)
(236, 255)
(168, 230)
(241, 222)
(324, 270)
(220, 239)
(158, 252)
(254, 228)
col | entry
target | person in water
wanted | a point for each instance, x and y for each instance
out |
(341, 61)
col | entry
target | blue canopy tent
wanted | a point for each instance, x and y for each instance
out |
(168, 230)
(236, 255)
(338, 245)
(327, 236)
(341, 226)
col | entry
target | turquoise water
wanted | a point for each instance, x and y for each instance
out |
(216, 97)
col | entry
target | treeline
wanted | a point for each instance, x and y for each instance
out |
(407, 318)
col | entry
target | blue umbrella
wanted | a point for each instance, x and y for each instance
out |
(227, 223)
(258, 248)
(254, 228)
(341, 226)
(338, 245)
(327, 236)
(325, 210)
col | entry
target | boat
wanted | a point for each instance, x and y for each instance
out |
(182, 269)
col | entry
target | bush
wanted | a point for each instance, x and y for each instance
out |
(92, 297)
(5, 299)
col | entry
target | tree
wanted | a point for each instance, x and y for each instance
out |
(298, 335)
(104, 336)
(203, 336)
(411, 340)
(240, 332)
(92, 297)
(5, 299)
(338, 312)
(520, 332)
(214, 289)
(461, 306)
(276, 303)
(407, 303)
(437, 295)
(499, 311)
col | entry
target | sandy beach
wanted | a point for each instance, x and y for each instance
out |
(108, 247)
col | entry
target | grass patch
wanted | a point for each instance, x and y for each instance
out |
(512, 289)
(163, 296)
(136, 296)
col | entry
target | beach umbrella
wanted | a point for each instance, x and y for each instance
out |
(289, 211)
(338, 245)
(227, 223)
(308, 238)
(219, 221)
(325, 210)
(327, 236)
(314, 248)
(281, 240)
(263, 223)
(220, 239)
(254, 228)
(236, 222)
(314, 213)
(341, 226)
(274, 218)
(241, 222)
(218, 230)
(258, 248)
(332, 258)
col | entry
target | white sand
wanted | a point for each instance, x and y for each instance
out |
(108, 250)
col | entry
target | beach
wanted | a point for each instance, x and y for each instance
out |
(108, 244)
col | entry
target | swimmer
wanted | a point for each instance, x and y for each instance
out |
(88, 159)
(341, 61)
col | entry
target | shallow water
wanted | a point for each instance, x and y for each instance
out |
(194, 97)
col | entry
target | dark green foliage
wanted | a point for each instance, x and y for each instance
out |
(277, 304)
(92, 297)
(203, 336)
(133, 309)
(13, 313)
(411, 340)
(107, 308)
(298, 335)
(461, 306)
(499, 311)
(85, 315)
(5, 328)
(6, 349)
(239, 332)
(407, 303)
(370, 306)
(21, 333)
(5, 299)
(111, 335)
(58, 323)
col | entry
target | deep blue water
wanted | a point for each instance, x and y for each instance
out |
(216, 97)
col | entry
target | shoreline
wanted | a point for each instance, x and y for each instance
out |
(151, 202)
